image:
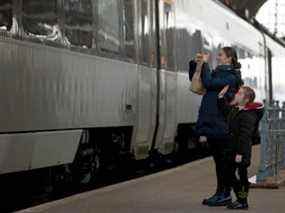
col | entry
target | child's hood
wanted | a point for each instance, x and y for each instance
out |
(257, 108)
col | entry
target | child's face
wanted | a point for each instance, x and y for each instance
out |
(240, 98)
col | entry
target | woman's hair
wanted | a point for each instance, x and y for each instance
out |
(231, 53)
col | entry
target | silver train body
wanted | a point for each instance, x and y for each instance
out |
(70, 66)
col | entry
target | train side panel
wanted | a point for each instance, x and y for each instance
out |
(27, 151)
(44, 88)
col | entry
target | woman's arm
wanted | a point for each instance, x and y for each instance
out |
(222, 102)
(211, 83)
(224, 107)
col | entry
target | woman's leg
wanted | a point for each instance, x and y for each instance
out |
(217, 156)
(219, 190)
(224, 165)
(230, 176)
(222, 196)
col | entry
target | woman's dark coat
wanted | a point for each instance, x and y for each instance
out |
(211, 122)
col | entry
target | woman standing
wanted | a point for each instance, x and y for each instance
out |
(211, 126)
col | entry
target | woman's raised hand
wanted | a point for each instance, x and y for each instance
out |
(223, 91)
(199, 58)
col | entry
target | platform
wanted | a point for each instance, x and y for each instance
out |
(179, 190)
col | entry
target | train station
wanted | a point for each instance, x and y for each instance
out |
(142, 106)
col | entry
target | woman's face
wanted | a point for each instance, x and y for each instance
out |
(223, 59)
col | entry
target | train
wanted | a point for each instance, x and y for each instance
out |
(85, 82)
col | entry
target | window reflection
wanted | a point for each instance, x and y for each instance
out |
(145, 31)
(129, 29)
(78, 23)
(188, 43)
(208, 48)
(40, 19)
(252, 70)
(6, 15)
(167, 35)
(109, 26)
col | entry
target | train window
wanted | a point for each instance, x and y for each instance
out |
(78, 23)
(6, 15)
(145, 32)
(188, 43)
(241, 53)
(196, 42)
(182, 48)
(109, 39)
(153, 40)
(40, 19)
(129, 28)
(167, 35)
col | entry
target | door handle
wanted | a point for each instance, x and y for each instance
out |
(129, 107)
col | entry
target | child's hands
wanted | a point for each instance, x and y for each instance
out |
(238, 158)
(224, 91)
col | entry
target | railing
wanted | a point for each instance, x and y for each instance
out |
(272, 130)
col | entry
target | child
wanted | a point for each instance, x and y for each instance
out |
(242, 115)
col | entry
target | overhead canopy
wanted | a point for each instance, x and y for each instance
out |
(241, 6)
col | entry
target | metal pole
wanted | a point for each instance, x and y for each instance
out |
(264, 136)
(283, 135)
(276, 18)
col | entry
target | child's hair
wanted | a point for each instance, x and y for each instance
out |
(249, 93)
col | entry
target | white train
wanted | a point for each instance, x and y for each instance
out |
(85, 81)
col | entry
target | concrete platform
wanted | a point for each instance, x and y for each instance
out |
(178, 190)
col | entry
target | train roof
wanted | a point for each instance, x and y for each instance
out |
(220, 20)
(275, 44)
(225, 23)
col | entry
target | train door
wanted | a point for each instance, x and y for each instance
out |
(147, 77)
(167, 78)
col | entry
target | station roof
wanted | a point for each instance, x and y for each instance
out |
(245, 7)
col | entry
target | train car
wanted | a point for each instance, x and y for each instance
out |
(275, 63)
(85, 82)
(207, 26)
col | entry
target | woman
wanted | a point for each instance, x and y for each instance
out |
(211, 126)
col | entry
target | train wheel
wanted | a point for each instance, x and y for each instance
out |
(87, 163)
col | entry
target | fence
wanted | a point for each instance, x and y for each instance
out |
(272, 142)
